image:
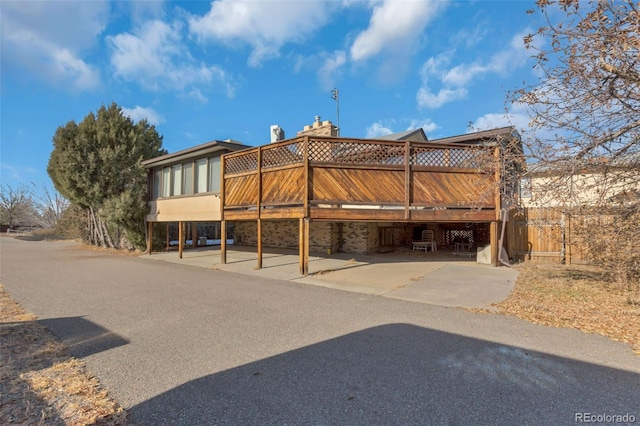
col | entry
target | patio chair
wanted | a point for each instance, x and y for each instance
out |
(428, 241)
(463, 249)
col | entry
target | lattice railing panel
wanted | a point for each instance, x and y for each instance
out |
(451, 157)
(282, 155)
(241, 163)
(356, 153)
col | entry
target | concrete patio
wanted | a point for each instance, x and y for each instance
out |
(437, 278)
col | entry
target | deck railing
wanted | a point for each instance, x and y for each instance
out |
(329, 172)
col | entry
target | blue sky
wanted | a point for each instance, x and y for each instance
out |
(201, 71)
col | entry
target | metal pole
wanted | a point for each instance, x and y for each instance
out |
(335, 95)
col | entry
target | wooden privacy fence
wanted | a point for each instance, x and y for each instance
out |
(543, 235)
(342, 179)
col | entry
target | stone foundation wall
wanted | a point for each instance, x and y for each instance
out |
(358, 237)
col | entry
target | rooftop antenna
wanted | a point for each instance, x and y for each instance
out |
(335, 95)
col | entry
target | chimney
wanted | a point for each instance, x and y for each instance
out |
(319, 128)
(277, 134)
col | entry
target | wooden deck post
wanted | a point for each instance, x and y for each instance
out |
(493, 237)
(180, 238)
(407, 180)
(301, 245)
(305, 200)
(258, 208)
(149, 237)
(259, 243)
(495, 225)
(223, 241)
(223, 223)
(305, 272)
(194, 234)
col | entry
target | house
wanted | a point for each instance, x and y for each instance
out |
(184, 187)
(320, 192)
(324, 193)
(554, 200)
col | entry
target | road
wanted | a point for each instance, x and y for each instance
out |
(183, 345)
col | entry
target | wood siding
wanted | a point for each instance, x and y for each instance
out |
(460, 189)
(241, 190)
(278, 186)
(356, 186)
(352, 179)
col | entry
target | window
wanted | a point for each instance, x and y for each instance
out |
(201, 175)
(176, 179)
(214, 174)
(166, 182)
(525, 188)
(187, 179)
(156, 184)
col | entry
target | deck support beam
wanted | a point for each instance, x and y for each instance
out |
(306, 246)
(167, 239)
(149, 237)
(180, 238)
(223, 242)
(259, 243)
(407, 180)
(493, 238)
(303, 248)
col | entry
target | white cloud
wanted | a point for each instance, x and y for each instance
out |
(394, 25)
(383, 127)
(9, 171)
(155, 57)
(198, 96)
(519, 116)
(377, 129)
(428, 99)
(495, 120)
(453, 81)
(138, 113)
(515, 56)
(462, 74)
(264, 25)
(425, 123)
(141, 11)
(470, 37)
(331, 68)
(328, 66)
(48, 38)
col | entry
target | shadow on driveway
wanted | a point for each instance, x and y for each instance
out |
(83, 337)
(399, 374)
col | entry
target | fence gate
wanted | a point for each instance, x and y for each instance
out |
(537, 234)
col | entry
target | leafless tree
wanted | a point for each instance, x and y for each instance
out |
(49, 207)
(585, 122)
(15, 205)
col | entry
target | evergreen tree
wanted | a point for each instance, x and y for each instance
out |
(97, 166)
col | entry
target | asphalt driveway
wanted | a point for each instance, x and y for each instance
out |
(437, 278)
(178, 344)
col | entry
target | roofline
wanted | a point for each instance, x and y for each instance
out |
(202, 149)
(402, 136)
(484, 134)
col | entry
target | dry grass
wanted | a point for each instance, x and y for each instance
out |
(40, 235)
(40, 383)
(575, 297)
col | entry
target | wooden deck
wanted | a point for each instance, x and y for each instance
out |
(335, 179)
